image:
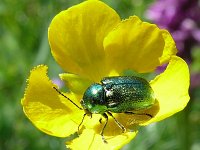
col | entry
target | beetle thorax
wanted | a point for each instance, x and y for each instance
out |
(94, 99)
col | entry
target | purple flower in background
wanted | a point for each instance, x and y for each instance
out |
(58, 82)
(182, 19)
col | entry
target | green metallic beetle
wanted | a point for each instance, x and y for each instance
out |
(120, 94)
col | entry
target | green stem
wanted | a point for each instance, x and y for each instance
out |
(183, 128)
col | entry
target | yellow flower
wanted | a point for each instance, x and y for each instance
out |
(89, 41)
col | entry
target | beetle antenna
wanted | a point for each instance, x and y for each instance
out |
(67, 98)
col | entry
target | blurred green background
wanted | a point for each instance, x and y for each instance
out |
(24, 44)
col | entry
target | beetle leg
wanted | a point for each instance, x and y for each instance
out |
(81, 122)
(129, 112)
(100, 120)
(102, 136)
(118, 123)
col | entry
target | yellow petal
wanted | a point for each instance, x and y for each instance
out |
(134, 45)
(169, 49)
(89, 140)
(171, 89)
(49, 111)
(76, 38)
(75, 83)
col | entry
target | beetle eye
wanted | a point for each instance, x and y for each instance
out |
(81, 101)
